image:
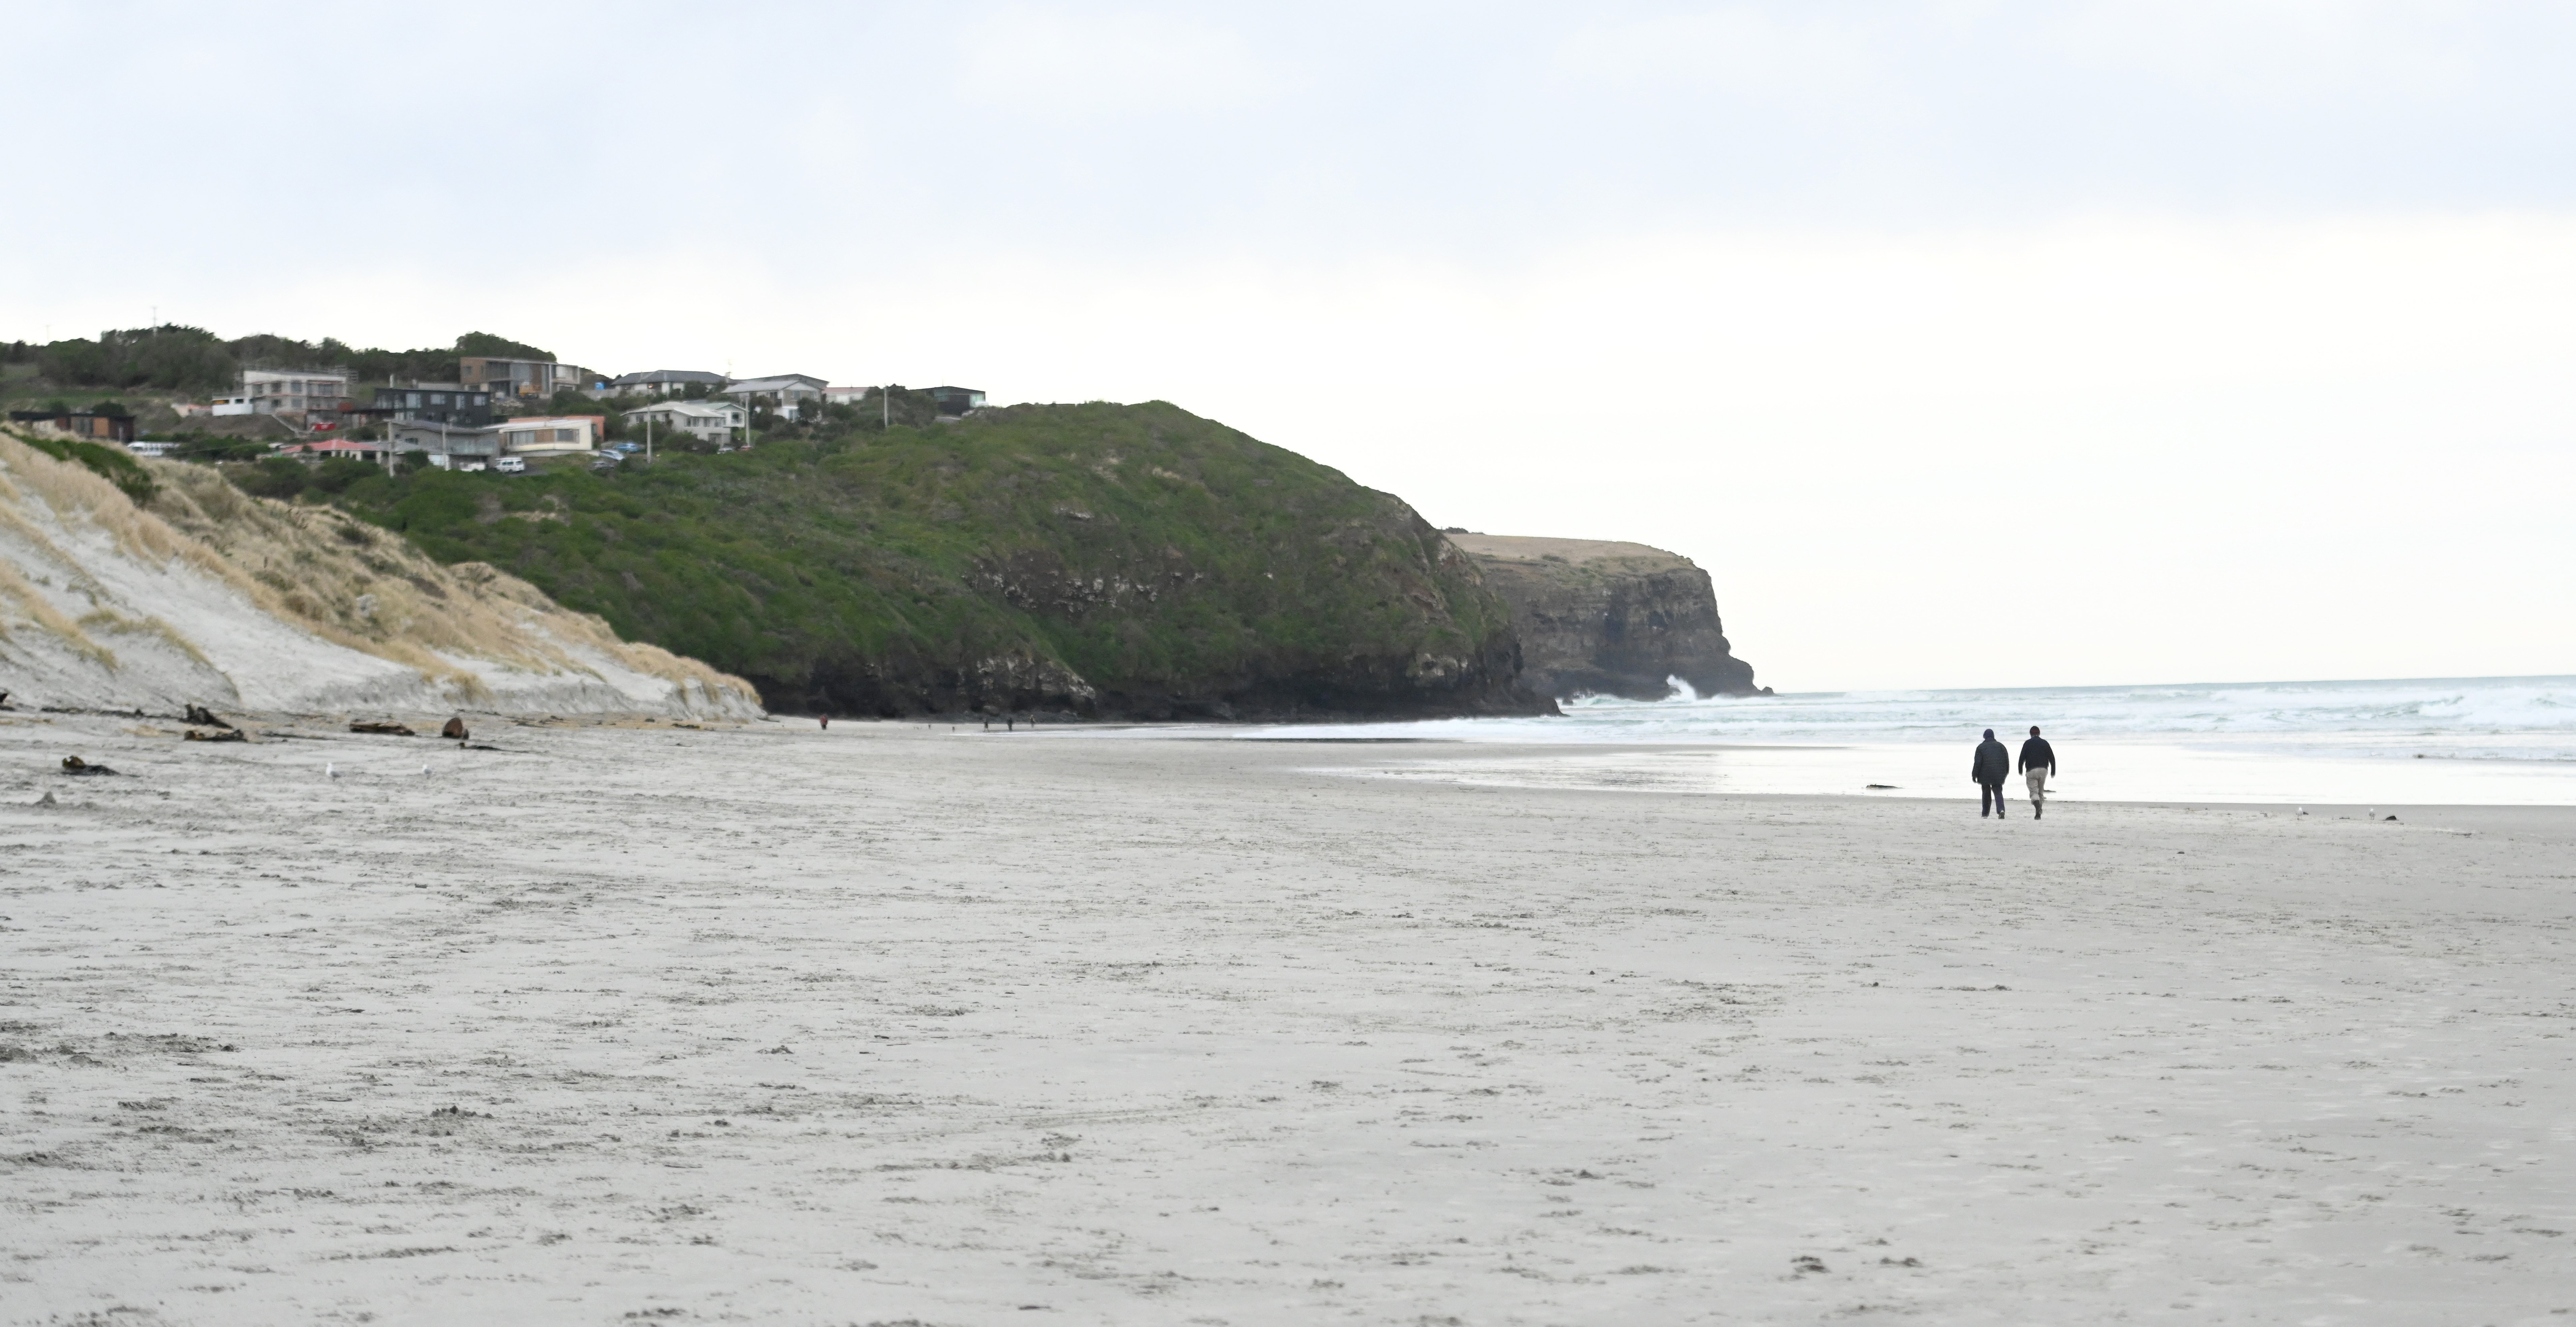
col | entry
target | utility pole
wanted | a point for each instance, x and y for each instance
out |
(885, 408)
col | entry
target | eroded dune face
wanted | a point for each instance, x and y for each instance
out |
(213, 597)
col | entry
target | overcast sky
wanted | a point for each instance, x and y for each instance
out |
(1963, 343)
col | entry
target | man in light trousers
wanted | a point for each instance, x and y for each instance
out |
(2038, 762)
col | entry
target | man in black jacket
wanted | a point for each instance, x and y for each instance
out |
(1993, 765)
(2038, 762)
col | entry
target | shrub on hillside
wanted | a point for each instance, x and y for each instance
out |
(338, 473)
(276, 477)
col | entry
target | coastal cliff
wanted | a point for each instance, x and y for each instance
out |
(1116, 561)
(1605, 618)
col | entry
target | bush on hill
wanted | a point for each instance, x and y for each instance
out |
(168, 358)
(498, 347)
(195, 362)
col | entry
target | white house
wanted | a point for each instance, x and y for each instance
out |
(707, 421)
(540, 435)
(846, 395)
(291, 391)
(448, 445)
(787, 393)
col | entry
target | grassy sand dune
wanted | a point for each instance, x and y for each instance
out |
(213, 596)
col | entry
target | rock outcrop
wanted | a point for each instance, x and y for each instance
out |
(1602, 618)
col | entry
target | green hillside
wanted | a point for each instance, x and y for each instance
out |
(1119, 560)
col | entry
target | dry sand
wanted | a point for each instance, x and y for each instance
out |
(888, 1024)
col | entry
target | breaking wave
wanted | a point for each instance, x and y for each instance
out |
(2514, 718)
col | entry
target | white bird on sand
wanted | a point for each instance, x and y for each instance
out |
(329, 770)
(424, 770)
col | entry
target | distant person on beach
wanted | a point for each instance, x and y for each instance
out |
(2038, 762)
(1993, 766)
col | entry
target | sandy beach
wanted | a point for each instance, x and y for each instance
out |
(894, 1024)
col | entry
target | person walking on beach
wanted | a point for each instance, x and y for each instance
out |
(2038, 761)
(1993, 765)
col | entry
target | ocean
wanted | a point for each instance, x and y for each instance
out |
(2420, 741)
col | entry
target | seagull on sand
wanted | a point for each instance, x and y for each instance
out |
(329, 770)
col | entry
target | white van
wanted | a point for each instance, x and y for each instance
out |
(511, 465)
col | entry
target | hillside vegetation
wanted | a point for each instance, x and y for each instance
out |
(1108, 559)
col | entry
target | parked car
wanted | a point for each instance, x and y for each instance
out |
(627, 447)
(511, 465)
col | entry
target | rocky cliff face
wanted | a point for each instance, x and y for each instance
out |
(1609, 618)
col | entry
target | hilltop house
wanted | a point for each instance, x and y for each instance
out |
(846, 395)
(957, 400)
(707, 421)
(518, 377)
(786, 393)
(432, 402)
(541, 435)
(667, 382)
(286, 392)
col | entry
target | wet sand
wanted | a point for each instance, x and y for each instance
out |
(889, 1024)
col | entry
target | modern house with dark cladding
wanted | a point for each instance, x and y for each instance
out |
(957, 400)
(668, 382)
(431, 403)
